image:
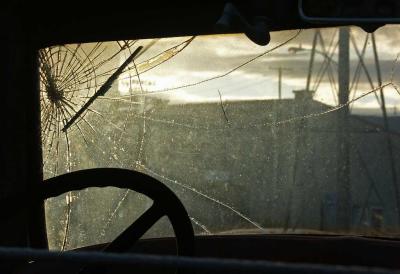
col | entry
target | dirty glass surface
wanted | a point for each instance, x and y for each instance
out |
(284, 138)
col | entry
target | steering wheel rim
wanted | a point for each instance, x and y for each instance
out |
(165, 203)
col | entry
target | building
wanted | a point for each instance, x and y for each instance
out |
(276, 161)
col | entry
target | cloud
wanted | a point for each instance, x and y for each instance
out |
(212, 56)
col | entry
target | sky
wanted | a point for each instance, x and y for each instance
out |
(210, 56)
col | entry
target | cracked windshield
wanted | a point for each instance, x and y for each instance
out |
(301, 136)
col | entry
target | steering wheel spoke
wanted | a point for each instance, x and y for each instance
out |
(136, 230)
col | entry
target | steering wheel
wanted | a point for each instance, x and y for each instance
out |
(165, 203)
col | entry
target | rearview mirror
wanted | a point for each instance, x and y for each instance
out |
(350, 11)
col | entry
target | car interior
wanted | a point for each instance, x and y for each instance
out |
(203, 137)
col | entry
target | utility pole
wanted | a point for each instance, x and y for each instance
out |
(280, 72)
(386, 127)
(312, 57)
(275, 135)
(343, 149)
(300, 136)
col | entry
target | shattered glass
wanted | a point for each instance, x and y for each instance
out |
(208, 116)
